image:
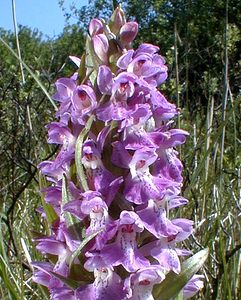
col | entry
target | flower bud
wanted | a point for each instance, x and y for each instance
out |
(117, 20)
(95, 27)
(105, 80)
(101, 46)
(128, 33)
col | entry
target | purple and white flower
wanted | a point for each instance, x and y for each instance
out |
(114, 206)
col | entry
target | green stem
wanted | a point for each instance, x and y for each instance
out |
(78, 153)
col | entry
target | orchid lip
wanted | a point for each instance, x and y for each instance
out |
(127, 229)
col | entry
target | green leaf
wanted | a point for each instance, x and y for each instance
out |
(82, 69)
(65, 199)
(92, 61)
(173, 282)
(7, 275)
(71, 221)
(81, 246)
(49, 210)
(73, 284)
(8, 279)
(179, 296)
(78, 154)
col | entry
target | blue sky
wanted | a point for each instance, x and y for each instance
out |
(45, 15)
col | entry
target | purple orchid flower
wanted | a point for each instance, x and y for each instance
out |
(139, 285)
(107, 285)
(97, 210)
(168, 165)
(140, 184)
(95, 27)
(164, 249)
(136, 118)
(65, 88)
(155, 220)
(62, 293)
(122, 89)
(101, 46)
(60, 244)
(99, 178)
(105, 80)
(84, 102)
(130, 167)
(60, 134)
(53, 195)
(145, 63)
(128, 33)
(124, 250)
(54, 170)
(43, 276)
(194, 285)
(124, 61)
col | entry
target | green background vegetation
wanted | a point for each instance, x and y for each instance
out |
(201, 40)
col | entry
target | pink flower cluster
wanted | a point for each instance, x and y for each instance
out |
(117, 177)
